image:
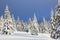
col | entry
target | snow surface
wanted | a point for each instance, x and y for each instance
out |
(26, 36)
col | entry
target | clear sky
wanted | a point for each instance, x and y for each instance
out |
(26, 8)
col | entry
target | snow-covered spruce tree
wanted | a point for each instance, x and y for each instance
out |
(55, 22)
(23, 26)
(1, 23)
(8, 27)
(29, 24)
(41, 28)
(34, 26)
(14, 22)
(45, 26)
(19, 25)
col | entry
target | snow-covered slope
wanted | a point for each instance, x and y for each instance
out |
(26, 36)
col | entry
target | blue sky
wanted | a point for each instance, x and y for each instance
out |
(26, 8)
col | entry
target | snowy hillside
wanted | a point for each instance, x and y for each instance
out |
(26, 36)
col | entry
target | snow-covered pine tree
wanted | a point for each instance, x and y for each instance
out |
(14, 22)
(55, 21)
(29, 24)
(8, 23)
(35, 25)
(19, 25)
(45, 25)
(24, 26)
(1, 23)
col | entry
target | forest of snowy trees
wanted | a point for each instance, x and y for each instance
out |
(8, 24)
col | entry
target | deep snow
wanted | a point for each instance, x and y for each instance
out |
(26, 36)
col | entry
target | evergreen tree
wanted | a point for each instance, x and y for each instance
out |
(56, 22)
(8, 27)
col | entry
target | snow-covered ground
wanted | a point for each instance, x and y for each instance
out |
(26, 36)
